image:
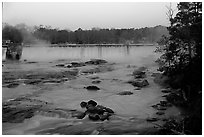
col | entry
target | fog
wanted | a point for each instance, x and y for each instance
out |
(87, 15)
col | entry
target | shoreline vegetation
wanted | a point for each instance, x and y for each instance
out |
(181, 64)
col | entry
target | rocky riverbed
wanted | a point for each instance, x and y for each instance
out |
(44, 98)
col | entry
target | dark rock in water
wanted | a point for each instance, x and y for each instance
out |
(109, 110)
(152, 119)
(165, 90)
(13, 85)
(31, 62)
(33, 81)
(125, 93)
(92, 88)
(96, 62)
(165, 104)
(137, 88)
(91, 102)
(155, 106)
(139, 83)
(17, 115)
(77, 64)
(164, 95)
(83, 104)
(104, 116)
(94, 117)
(161, 108)
(60, 65)
(138, 74)
(96, 81)
(94, 77)
(160, 113)
(94, 110)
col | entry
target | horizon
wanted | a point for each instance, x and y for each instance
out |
(72, 16)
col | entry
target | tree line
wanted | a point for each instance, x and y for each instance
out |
(79, 36)
(182, 59)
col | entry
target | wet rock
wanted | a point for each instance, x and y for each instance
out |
(160, 113)
(165, 104)
(33, 81)
(60, 65)
(104, 116)
(94, 117)
(91, 102)
(31, 62)
(139, 74)
(98, 69)
(83, 104)
(92, 88)
(94, 77)
(139, 83)
(15, 114)
(77, 64)
(164, 95)
(12, 85)
(152, 119)
(138, 88)
(109, 110)
(159, 107)
(96, 62)
(155, 106)
(125, 93)
(96, 81)
(166, 90)
(94, 110)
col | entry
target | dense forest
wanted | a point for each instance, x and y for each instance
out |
(79, 36)
(181, 61)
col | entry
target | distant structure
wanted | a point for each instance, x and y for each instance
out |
(13, 50)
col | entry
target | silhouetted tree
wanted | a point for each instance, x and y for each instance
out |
(11, 33)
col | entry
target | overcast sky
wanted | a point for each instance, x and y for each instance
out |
(87, 15)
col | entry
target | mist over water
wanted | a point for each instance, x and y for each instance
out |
(43, 53)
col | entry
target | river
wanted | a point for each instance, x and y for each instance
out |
(131, 110)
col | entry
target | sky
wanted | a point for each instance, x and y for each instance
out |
(86, 15)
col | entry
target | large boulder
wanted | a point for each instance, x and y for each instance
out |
(96, 112)
(139, 83)
(139, 74)
(96, 62)
(92, 88)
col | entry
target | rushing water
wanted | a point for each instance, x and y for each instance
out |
(71, 93)
(115, 54)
